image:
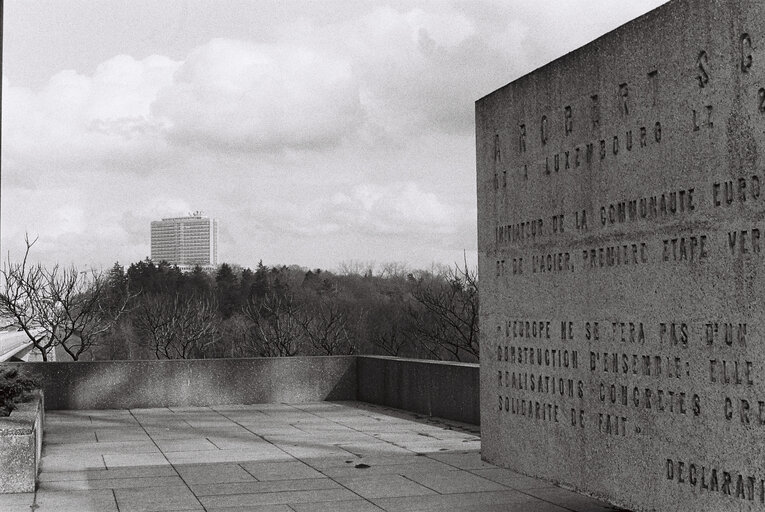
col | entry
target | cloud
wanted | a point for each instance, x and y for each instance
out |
(342, 134)
(392, 210)
(78, 124)
(254, 97)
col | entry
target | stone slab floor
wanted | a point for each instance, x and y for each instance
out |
(342, 456)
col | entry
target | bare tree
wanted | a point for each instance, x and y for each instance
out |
(390, 340)
(177, 326)
(356, 267)
(24, 298)
(78, 308)
(326, 326)
(237, 337)
(57, 306)
(445, 314)
(278, 330)
(393, 269)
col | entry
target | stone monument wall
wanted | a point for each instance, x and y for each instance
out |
(621, 235)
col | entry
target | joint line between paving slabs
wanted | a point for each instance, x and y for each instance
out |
(353, 429)
(299, 459)
(418, 483)
(116, 503)
(168, 460)
(542, 499)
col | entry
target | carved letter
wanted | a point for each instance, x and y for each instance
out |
(702, 62)
(746, 52)
(595, 111)
(653, 78)
(624, 94)
(522, 139)
(543, 130)
(497, 151)
(568, 121)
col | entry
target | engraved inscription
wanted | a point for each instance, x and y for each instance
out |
(702, 63)
(653, 80)
(746, 52)
(623, 97)
(568, 120)
(594, 112)
(703, 118)
(543, 130)
(626, 276)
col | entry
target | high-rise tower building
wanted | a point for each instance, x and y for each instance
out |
(185, 241)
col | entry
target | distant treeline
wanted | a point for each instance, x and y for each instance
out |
(157, 311)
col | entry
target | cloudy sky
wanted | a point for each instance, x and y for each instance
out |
(317, 132)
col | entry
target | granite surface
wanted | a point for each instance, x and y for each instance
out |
(307, 457)
(194, 382)
(434, 388)
(621, 217)
(20, 447)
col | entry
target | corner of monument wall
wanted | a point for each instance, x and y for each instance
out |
(607, 39)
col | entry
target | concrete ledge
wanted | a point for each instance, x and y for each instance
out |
(194, 382)
(21, 447)
(434, 388)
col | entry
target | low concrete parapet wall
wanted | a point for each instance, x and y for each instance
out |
(194, 382)
(435, 388)
(21, 436)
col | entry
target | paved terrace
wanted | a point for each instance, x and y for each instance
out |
(324, 456)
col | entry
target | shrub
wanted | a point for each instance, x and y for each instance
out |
(15, 387)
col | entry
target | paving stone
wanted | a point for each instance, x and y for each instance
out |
(121, 434)
(442, 502)
(259, 487)
(534, 506)
(314, 451)
(79, 436)
(449, 482)
(374, 448)
(415, 467)
(76, 501)
(115, 460)
(336, 506)
(126, 472)
(177, 497)
(462, 460)
(265, 452)
(103, 447)
(245, 441)
(273, 498)
(384, 486)
(570, 500)
(255, 508)
(16, 501)
(185, 445)
(110, 483)
(511, 478)
(254, 475)
(294, 469)
(160, 433)
(71, 462)
(213, 473)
